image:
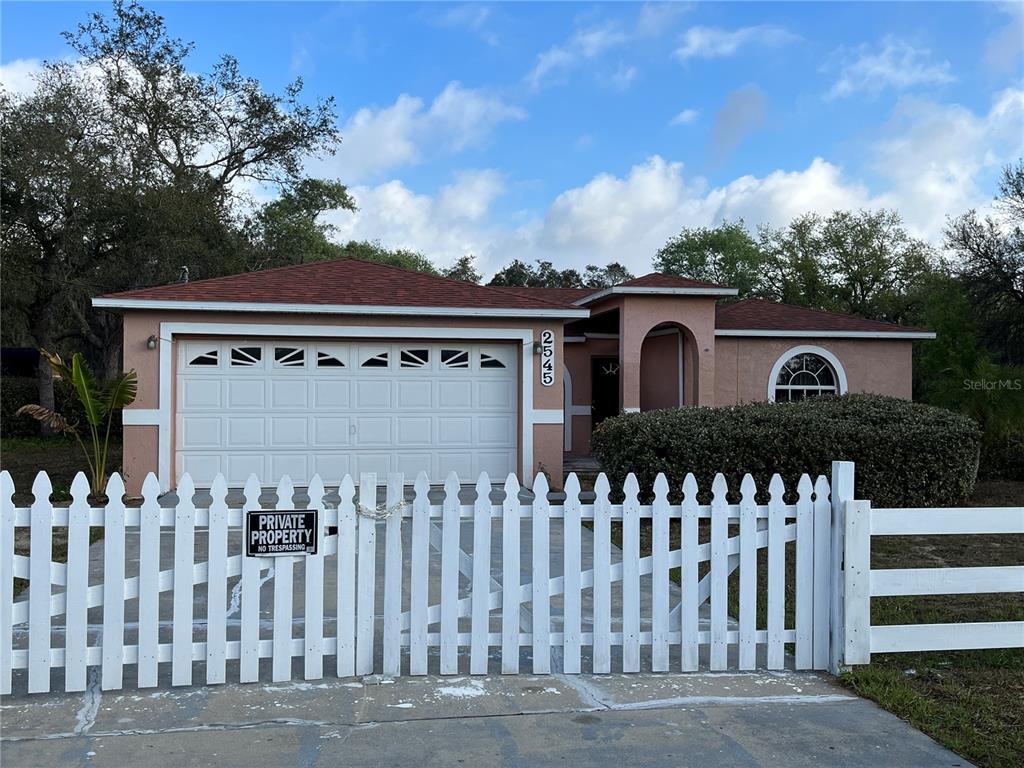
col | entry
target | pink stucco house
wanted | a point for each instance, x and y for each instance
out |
(350, 366)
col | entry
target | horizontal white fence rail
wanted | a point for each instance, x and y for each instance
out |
(863, 583)
(450, 587)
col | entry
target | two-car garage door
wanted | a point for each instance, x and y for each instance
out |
(274, 408)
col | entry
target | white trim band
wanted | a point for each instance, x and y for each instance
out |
(663, 291)
(140, 417)
(548, 416)
(333, 309)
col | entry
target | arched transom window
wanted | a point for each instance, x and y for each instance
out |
(805, 375)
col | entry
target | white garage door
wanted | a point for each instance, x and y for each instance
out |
(296, 408)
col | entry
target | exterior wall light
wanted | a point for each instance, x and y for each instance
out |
(151, 342)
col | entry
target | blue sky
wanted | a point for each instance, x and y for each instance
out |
(585, 132)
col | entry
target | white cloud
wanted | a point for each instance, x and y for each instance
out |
(465, 117)
(715, 42)
(471, 16)
(589, 43)
(470, 197)
(941, 159)
(685, 117)
(18, 76)
(585, 44)
(655, 18)
(379, 139)
(444, 226)
(1004, 50)
(894, 64)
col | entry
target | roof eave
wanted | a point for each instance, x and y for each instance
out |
(809, 333)
(635, 290)
(104, 302)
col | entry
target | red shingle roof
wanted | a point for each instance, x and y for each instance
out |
(658, 280)
(560, 296)
(760, 315)
(343, 282)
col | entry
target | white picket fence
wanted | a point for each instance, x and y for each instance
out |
(588, 604)
(863, 583)
(168, 587)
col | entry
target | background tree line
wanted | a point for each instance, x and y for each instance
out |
(120, 169)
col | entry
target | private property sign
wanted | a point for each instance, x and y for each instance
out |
(281, 532)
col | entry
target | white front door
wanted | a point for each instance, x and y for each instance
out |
(296, 408)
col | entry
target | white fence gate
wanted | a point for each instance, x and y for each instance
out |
(492, 585)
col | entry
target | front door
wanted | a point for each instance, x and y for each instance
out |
(604, 387)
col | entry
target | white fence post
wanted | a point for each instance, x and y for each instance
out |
(113, 588)
(572, 614)
(39, 588)
(184, 602)
(393, 575)
(857, 587)
(481, 587)
(602, 619)
(6, 580)
(842, 492)
(418, 569)
(366, 564)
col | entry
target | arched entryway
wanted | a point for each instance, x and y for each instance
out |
(668, 365)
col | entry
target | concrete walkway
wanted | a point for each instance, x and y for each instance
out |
(702, 719)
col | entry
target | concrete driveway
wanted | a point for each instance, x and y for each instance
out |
(720, 719)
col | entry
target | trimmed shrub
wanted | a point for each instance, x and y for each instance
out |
(907, 454)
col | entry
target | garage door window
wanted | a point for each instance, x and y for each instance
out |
(244, 357)
(206, 359)
(376, 361)
(454, 358)
(415, 358)
(289, 357)
(328, 359)
(487, 361)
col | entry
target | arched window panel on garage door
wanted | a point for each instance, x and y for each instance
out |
(331, 355)
(454, 357)
(414, 357)
(495, 357)
(202, 354)
(289, 355)
(246, 356)
(375, 357)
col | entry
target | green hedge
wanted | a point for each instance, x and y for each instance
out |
(907, 454)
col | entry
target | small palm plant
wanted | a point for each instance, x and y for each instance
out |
(99, 401)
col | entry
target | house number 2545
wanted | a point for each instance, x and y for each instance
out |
(547, 358)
